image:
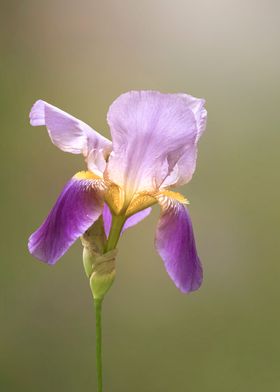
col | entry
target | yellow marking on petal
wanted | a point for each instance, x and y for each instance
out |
(114, 198)
(140, 202)
(86, 175)
(175, 196)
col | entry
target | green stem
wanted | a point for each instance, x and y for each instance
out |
(98, 332)
(115, 232)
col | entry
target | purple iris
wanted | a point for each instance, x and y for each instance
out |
(153, 149)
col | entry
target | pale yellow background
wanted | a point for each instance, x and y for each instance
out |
(80, 55)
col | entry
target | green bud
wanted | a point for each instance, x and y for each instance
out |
(103, 274)
(93, 241)
(99, 266)
(95, 238)
(88, 260)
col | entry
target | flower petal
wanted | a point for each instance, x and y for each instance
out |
(185, 166)
(199, 111)
(175, 244)
(131, 221)
(107, 219)
(150, 132)
(77, 208)
(68, 133)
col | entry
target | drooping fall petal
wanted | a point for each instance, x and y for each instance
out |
(70, 134)
(77, 208)
(175, 244)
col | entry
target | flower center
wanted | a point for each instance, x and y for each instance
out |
(119, 204)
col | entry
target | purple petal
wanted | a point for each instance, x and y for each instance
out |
(77, 208)
(175, 244)
(70, 134)
(107, 219)
(151, 132)
(199, 111)
(131, 221)
(136, 218)
(185, 166)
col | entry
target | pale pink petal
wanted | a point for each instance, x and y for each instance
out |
(199, 111)
(68, 133)
(150, 132)
(185, 167)
(96, 162)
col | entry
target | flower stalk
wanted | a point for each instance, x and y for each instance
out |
(98, 339)
(115, 232)
(99, 256)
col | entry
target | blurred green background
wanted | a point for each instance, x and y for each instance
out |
(80, 56)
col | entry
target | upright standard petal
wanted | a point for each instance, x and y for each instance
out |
(150, 132)
(131, 221)
(185, 166)
(70, 134)
(175, 244)
(77, 208)
(199, 111)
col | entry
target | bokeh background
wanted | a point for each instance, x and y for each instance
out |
(80, 56)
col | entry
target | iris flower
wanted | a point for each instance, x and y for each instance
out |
(153, 150)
